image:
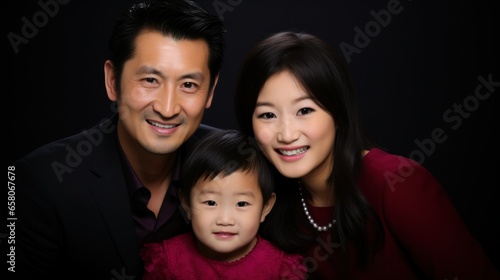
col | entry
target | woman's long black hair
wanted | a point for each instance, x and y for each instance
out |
(323, 74)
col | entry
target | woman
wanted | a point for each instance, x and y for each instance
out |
(354, 210)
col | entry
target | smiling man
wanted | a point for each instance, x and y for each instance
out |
(87, 203)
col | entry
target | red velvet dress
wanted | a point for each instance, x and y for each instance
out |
(425, 238)
(178, 258)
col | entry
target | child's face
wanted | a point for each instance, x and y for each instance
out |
(226, 213)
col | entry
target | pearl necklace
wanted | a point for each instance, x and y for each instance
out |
(309, 217)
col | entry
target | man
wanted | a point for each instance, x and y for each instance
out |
(87, 203)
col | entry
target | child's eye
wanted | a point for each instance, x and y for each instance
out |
(242, 204)
(210, 203)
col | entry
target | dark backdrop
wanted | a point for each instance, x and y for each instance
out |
(420, 68)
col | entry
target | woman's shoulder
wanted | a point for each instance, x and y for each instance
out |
(378, 162)
(383, 171)
(382, 159)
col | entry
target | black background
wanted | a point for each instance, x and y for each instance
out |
(418, 65)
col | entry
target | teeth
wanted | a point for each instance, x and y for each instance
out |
(162, 125)
(293, 152)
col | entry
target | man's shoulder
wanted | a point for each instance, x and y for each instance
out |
(81, 143)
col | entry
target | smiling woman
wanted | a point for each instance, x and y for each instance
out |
(284, 112)
(335, 203)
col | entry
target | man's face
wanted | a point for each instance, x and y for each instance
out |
(164, 92)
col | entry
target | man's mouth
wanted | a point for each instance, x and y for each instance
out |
(162, 125)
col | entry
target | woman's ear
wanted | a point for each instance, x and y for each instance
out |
(268, 207)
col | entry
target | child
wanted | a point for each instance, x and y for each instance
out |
(226, 191)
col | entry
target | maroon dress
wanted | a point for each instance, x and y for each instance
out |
(425, 238)
(178, 258)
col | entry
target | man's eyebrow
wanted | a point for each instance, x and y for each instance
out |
(194, 75)
(149, 70)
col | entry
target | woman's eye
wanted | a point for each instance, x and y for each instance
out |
(266, 116)
(305, 111)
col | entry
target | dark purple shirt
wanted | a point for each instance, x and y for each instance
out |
(145, 221)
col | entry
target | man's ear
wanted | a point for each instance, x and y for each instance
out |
(211, 94)
(110, 80)
(185, 205)
(268, 207)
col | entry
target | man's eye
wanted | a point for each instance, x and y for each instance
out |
(189, 85)
(150, 80)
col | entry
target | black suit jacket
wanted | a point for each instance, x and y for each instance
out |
(73, 211)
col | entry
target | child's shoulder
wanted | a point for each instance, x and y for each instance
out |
(268, 248)
(290, 266)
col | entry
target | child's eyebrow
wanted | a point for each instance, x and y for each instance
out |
(208, 191)
(245, 193)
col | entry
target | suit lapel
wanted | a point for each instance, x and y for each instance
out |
(111, 195)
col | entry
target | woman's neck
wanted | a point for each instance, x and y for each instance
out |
(318, 193)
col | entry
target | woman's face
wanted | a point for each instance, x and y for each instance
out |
(293, 131)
